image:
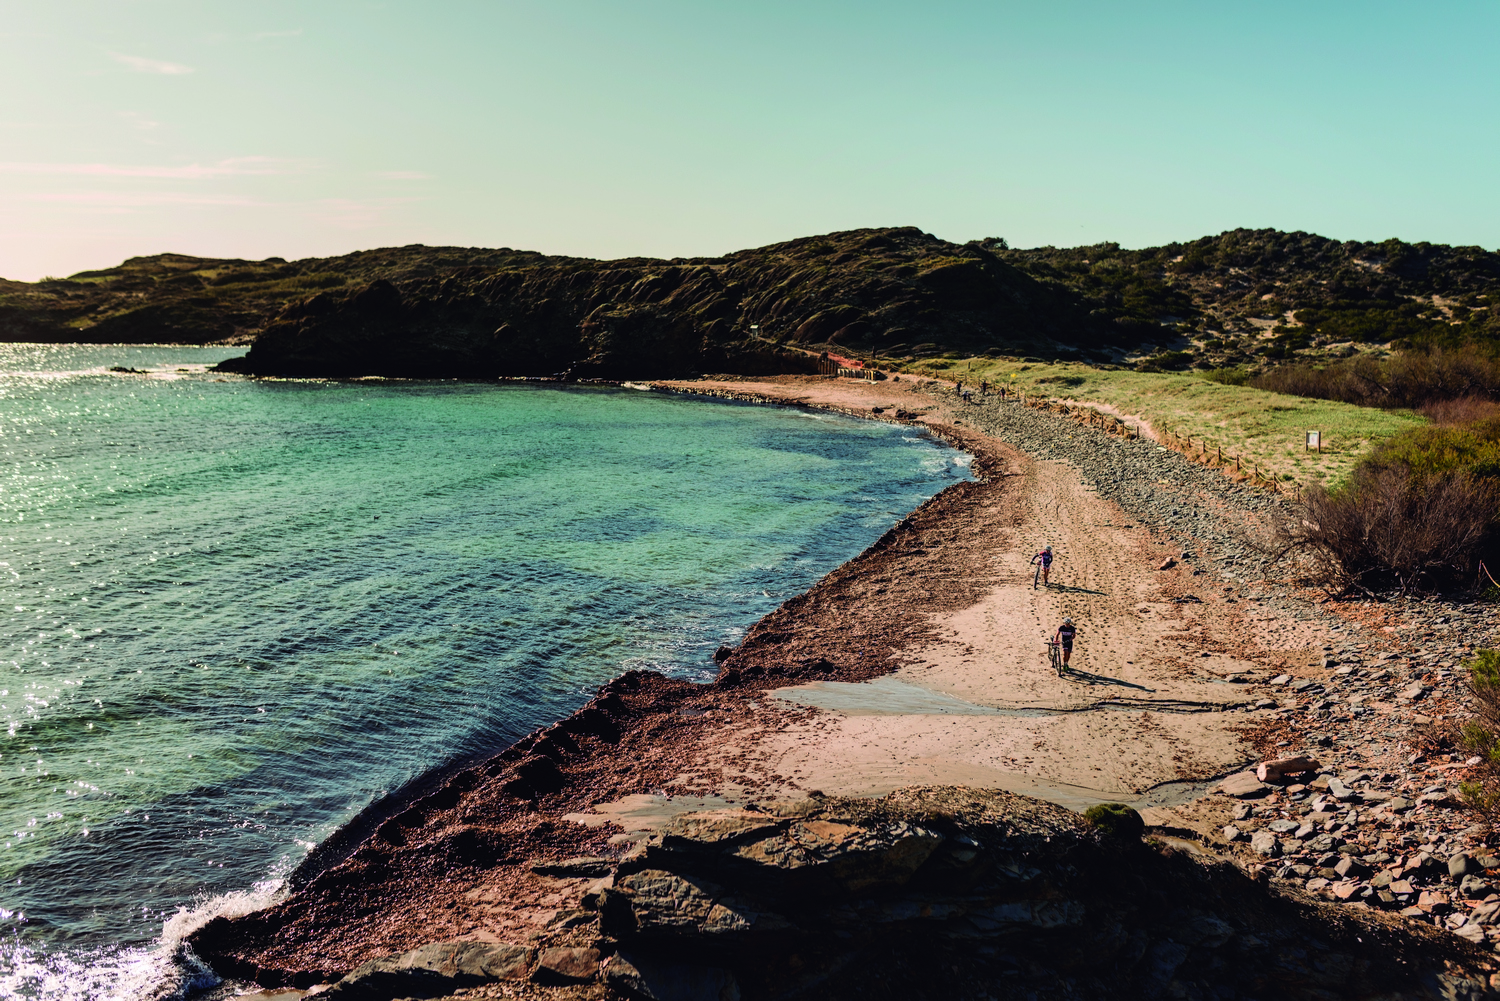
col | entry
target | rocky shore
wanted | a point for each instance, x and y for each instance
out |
(667, 840)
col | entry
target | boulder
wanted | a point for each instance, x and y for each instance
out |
(433, 970)
(1461, 864)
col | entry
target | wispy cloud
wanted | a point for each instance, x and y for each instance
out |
(138, 120)
(402, 175)
(142, 65)
(235, 167)
(120, 201)
(348, 213)
(259, 35)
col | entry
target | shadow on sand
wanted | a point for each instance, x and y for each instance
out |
(1074, 674)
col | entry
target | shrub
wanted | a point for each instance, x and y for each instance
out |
(1408, 379)
(1391, 529)
(1481, 736)
(1117, 820)
(1228, 376)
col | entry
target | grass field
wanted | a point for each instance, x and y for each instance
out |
(1262, 427)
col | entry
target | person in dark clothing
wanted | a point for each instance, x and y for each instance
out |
(1065, 634)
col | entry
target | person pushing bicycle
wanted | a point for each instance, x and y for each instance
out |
(1064, 636)
(1042, 560)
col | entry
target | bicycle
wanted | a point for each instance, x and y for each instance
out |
(1054, 656)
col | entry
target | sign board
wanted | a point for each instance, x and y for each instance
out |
(1315, 440)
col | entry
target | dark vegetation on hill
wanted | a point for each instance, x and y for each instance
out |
(1247, 299)
(455, 312)
(1253, 297)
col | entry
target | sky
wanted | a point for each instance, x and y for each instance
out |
(663, 128)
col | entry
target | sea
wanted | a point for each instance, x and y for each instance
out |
(235, 612)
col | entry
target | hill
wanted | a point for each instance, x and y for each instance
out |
(1255, 297)
(1246, 297)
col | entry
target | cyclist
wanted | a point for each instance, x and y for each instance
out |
(1044, 558)
(1065, 634)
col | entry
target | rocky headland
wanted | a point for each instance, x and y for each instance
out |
(841, 813)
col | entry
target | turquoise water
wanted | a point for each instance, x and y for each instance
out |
(234, 612)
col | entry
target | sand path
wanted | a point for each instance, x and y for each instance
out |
(976, 704)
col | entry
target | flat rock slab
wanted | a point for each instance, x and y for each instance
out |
(434, 970)
(1243, 785)
(567, 965)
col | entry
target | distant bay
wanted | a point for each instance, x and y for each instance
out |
(236, 612)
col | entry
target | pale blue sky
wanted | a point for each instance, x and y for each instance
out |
(672, 128)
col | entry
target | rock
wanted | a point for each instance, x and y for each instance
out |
(1461, 864)
(1167, 564)
(433, 970)
(1474, 933)
(1346, 889)
(1316, 884)
(1243, 785)
(1265, 843)
(566, 965)
(654, 980)
(1304, 832)
(1232, 833)
(1341, 792)
(1475, 888)
(1270, 771)
(1281, 679)
(1282, 826)
(1413, 692)
(1402, 887)
(1351, 869)
(1398, 804)
(580, 868)
(1434, 903)
(1117, 820)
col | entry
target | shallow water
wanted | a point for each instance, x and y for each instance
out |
(236, 612)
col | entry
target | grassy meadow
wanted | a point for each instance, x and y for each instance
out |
(1257, 426)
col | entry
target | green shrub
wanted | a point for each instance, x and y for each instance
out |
(1117, 820)
(1228, 376)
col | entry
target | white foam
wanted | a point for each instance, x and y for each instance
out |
(163, 972)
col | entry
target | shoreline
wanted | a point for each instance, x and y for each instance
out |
(565, 790)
